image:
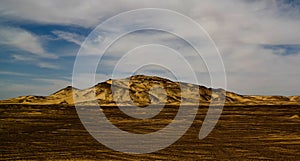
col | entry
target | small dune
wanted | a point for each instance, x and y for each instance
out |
(294, 117)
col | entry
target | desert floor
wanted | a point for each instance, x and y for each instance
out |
(242, 133)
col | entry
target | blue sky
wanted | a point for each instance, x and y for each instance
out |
(259, 42)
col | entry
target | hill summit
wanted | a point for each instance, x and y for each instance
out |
(143, 90)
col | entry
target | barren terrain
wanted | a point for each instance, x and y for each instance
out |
(34, 132)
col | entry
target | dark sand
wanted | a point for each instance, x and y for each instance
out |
(242, 133)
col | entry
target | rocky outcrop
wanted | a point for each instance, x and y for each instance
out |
(143, 90)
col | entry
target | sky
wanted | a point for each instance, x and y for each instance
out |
(258, 41)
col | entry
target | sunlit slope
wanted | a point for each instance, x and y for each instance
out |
(143, 90)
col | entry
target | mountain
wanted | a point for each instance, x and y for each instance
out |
(143, 90)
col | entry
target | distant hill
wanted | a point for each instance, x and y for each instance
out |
(144, 90)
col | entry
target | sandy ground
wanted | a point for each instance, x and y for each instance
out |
(242, 133)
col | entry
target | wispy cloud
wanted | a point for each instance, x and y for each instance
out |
(27, 47)
(23, 40)
(47, 65)
(22, 58)
(71, 37)
(34, 61)
(14, 73)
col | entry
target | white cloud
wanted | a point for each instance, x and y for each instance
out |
(34, 61)
(71, 37)
(47, 65)
(23, 40)
(22, 58)
(235, 21)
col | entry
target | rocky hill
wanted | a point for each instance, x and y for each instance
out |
(143, 90)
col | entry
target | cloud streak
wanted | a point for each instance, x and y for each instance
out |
(15, 73)
(28, 46)
(23, 40)
(68, 36)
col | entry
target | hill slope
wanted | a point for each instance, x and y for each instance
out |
(144, 90)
